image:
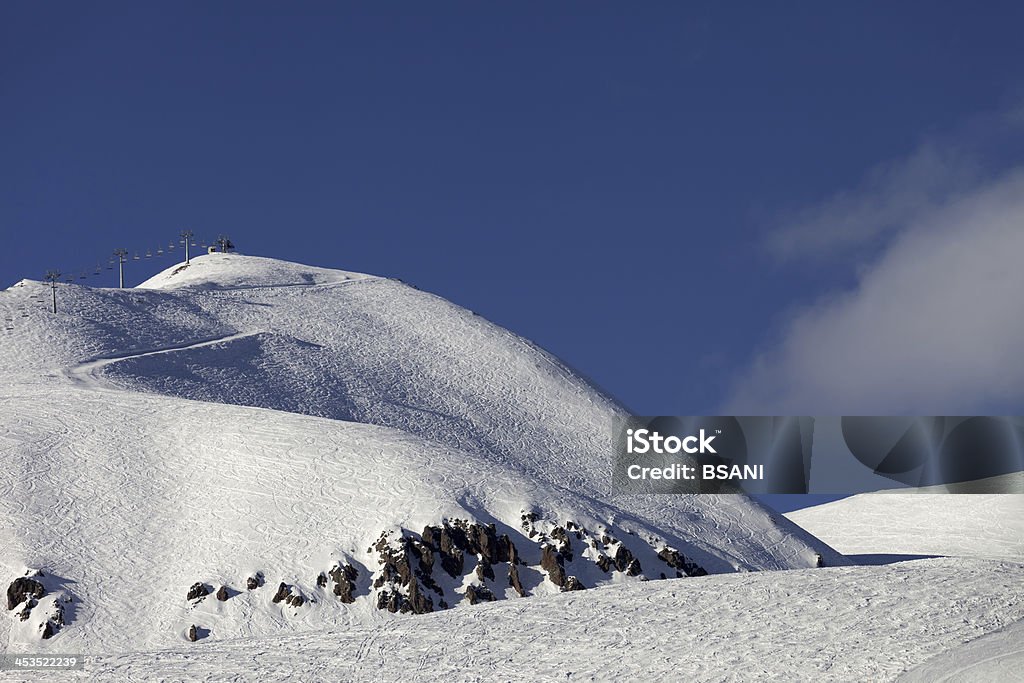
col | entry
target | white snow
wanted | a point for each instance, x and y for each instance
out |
(883, 526)
(838, 624)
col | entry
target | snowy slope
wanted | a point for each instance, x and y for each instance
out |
(833, 624)
(245, 418)
(956, 525)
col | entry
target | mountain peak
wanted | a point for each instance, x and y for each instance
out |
(238, 271)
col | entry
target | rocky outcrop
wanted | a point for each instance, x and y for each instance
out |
(515, 581)
(284, 594)
(573, 584)
(23, 588)
(406, 582)
(625, 562)
(254, 581)
(193, 633)
(552, 562)
(397, 574)
(26, 611)
(223, 593)
(673, 558)
(481, 593)
(561, 537)
(344, 577)
(198, 591)
(53, 623)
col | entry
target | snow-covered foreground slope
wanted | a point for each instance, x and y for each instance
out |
(357, 447)
(893, 524)
(838, 624)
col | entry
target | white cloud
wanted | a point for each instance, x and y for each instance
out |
(890, 194)
(934, 326)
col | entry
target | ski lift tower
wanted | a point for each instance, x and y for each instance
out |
(53, 276)
(225, 244)
(186, 236)
(120, 254)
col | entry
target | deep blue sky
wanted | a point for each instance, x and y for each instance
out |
(595, 176)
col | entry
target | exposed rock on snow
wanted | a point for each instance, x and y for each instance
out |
(573, 584)
(344, 577)
(23, 588)
(198, 591)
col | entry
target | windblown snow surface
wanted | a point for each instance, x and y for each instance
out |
(326, 475)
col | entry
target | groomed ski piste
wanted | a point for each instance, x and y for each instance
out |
(253, 469)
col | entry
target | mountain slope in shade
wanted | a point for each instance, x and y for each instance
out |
(328, 448)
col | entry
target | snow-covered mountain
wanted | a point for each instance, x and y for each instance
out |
(244, 447)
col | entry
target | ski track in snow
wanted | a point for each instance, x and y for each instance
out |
(89, 373)
(997, 656)
(839, 624)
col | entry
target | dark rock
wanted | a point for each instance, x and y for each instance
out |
(424, 553)
(388, 600)
(48, 630)
(633, 568)
(514, 580)
(551, 561)
(21, 589)
(295, 600)
(484, 571)
(344, 577)
(193, 633)
(453, 563)
(321, 580)
(283, 592)
(198, 591)
(395, 562)
(393, 601)
(445, 541)
(513, 553)
(23, 615)
(604, 562)
(475, 594)
(564, 544)
(622, 558)
(573, 584)
(677, 560)
(419, 603)
(254, 582)
(222, 593)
